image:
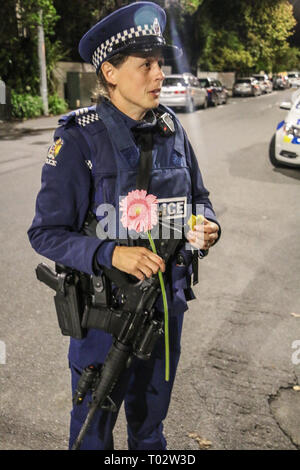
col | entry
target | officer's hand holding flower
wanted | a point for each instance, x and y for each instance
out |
(203, 235)
(137, 261)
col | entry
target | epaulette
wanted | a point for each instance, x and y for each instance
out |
(81, 116)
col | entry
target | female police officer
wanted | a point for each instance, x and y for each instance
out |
(94, 160)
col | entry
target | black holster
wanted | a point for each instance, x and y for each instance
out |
(69, 301)
(81, 301)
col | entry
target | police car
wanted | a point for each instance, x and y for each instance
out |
(285, 144)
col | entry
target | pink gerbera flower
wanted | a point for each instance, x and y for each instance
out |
(139, 211)
(140, 214)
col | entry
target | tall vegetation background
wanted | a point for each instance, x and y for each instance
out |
(243, 36)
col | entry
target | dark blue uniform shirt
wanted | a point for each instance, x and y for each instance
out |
(93, 159)
(66, 189)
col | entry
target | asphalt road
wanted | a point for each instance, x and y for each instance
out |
(236, 386)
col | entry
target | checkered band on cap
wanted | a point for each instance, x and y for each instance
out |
(121, 38)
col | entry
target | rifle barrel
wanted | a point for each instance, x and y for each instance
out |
(115, 363)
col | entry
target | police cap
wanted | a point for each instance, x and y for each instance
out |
(137, 27)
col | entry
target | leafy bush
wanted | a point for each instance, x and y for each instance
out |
(57, 105)
(25, 106)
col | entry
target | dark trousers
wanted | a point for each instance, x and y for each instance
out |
(146, 397)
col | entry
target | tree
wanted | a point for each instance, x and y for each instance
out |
(244, 35)
(18, 37)
(269, 25)
(221, 35)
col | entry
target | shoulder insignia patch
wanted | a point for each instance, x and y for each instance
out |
(54, 151)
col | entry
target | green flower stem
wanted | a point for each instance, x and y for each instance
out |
(166, 313)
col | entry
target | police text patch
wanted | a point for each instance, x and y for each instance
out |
(172, 207)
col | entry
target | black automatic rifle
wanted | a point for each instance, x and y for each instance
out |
(131, 319)
(139, 327)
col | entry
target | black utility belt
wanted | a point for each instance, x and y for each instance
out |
(83, 302)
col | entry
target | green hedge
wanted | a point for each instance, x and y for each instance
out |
(56, 104)
(26, 106)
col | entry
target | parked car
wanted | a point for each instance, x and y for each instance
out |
(264, 82)
(246, 86)
(183, 91)
(284, 147)
(280, 82)
(217, 93)
(294, 78)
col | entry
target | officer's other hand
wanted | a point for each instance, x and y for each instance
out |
(204, 235)
(137, 261)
